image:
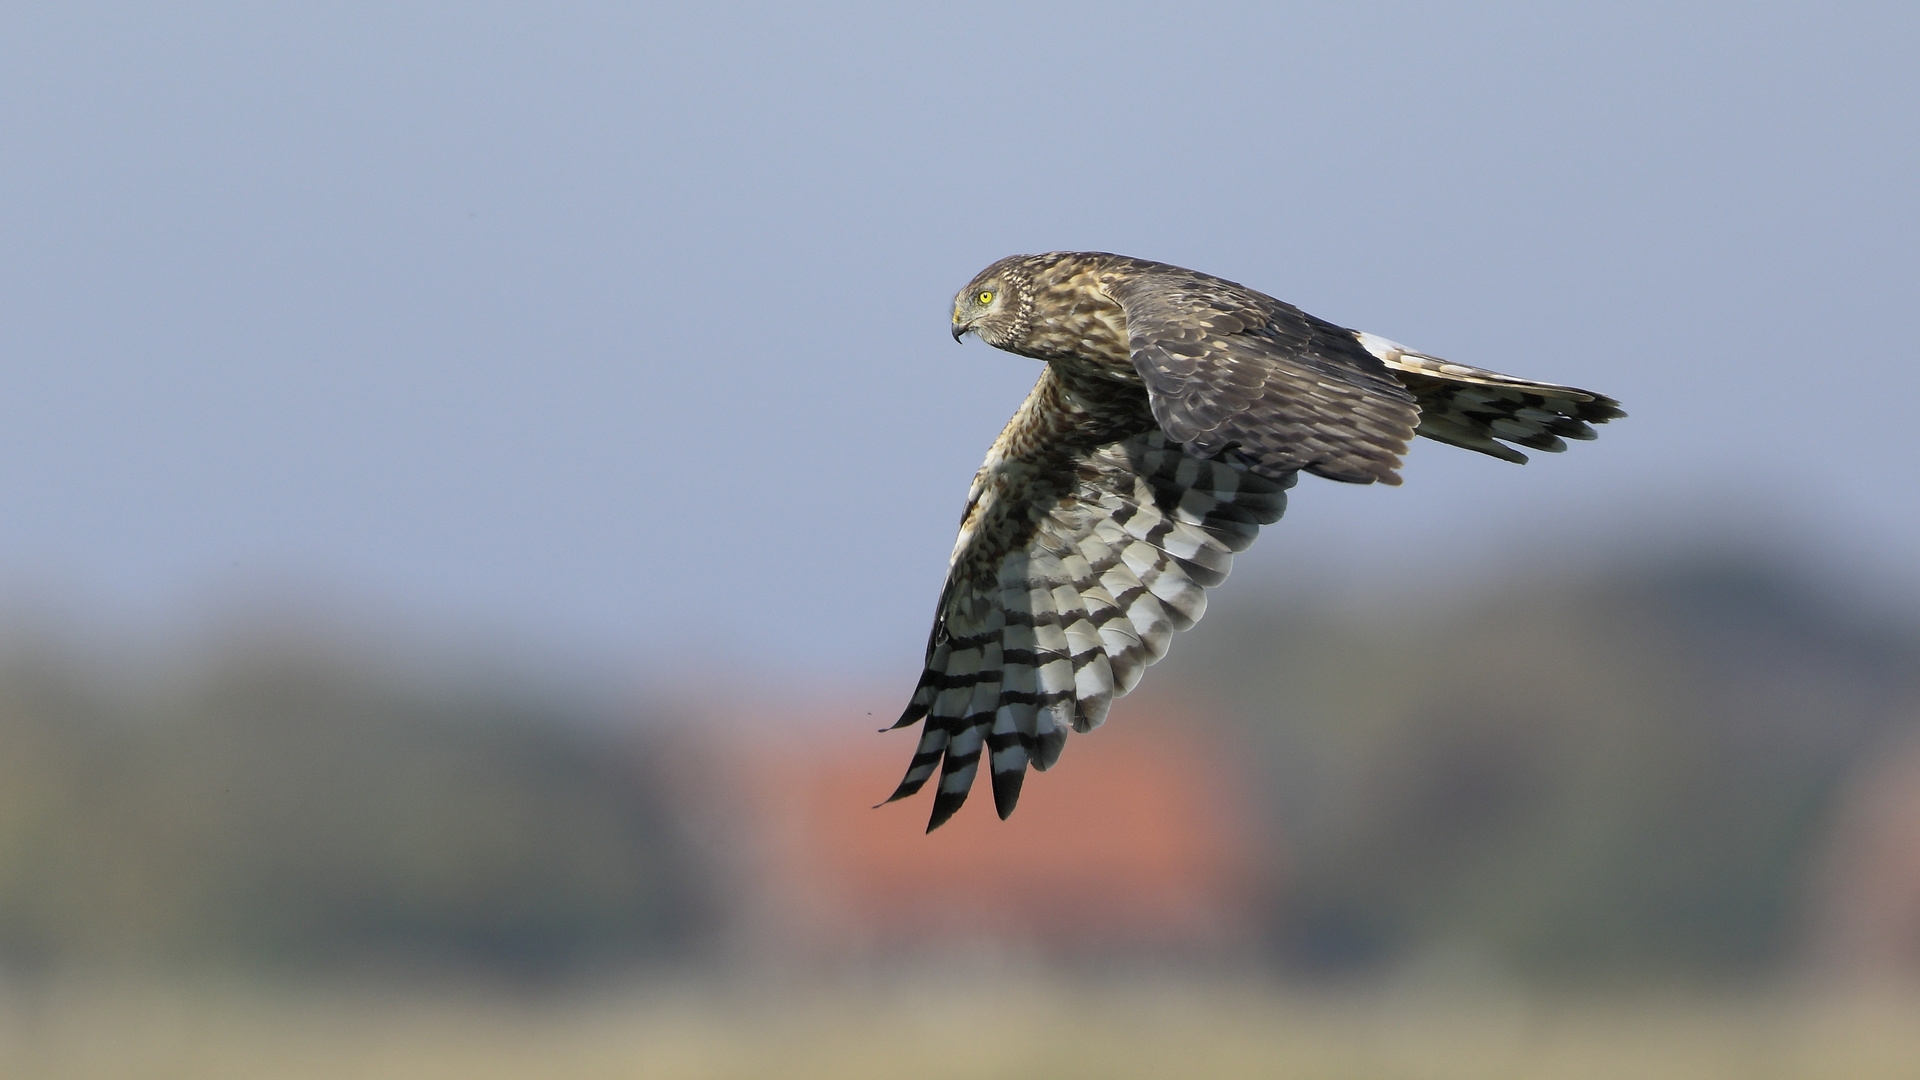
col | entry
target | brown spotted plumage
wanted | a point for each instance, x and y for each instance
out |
(1174, 412)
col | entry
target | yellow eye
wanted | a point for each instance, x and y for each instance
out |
(985, 298)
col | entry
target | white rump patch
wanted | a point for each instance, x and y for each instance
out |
(1381, 347)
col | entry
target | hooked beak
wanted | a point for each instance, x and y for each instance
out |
(960, 330)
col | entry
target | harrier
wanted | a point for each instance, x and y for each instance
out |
(1175, 411)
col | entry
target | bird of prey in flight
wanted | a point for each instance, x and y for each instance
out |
(1174, 412)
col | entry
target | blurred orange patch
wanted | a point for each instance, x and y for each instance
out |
(1139, 839)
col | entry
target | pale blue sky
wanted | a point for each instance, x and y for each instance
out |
(622, 329)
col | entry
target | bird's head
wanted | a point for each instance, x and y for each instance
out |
(997, 305)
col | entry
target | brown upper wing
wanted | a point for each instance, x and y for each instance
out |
(1230, 368)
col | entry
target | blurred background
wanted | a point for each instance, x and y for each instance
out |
(474, 477)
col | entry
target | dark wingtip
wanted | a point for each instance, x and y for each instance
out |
(945, 805)
(908, 785)
(1006, 791)
(1045, 750)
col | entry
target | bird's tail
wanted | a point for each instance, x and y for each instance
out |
(1484, 410)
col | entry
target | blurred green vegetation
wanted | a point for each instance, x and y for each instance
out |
(1629, 771)
(278, 804)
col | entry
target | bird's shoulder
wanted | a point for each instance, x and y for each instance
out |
(1168, 295)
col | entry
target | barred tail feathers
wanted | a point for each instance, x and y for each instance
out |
(1484, 410)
